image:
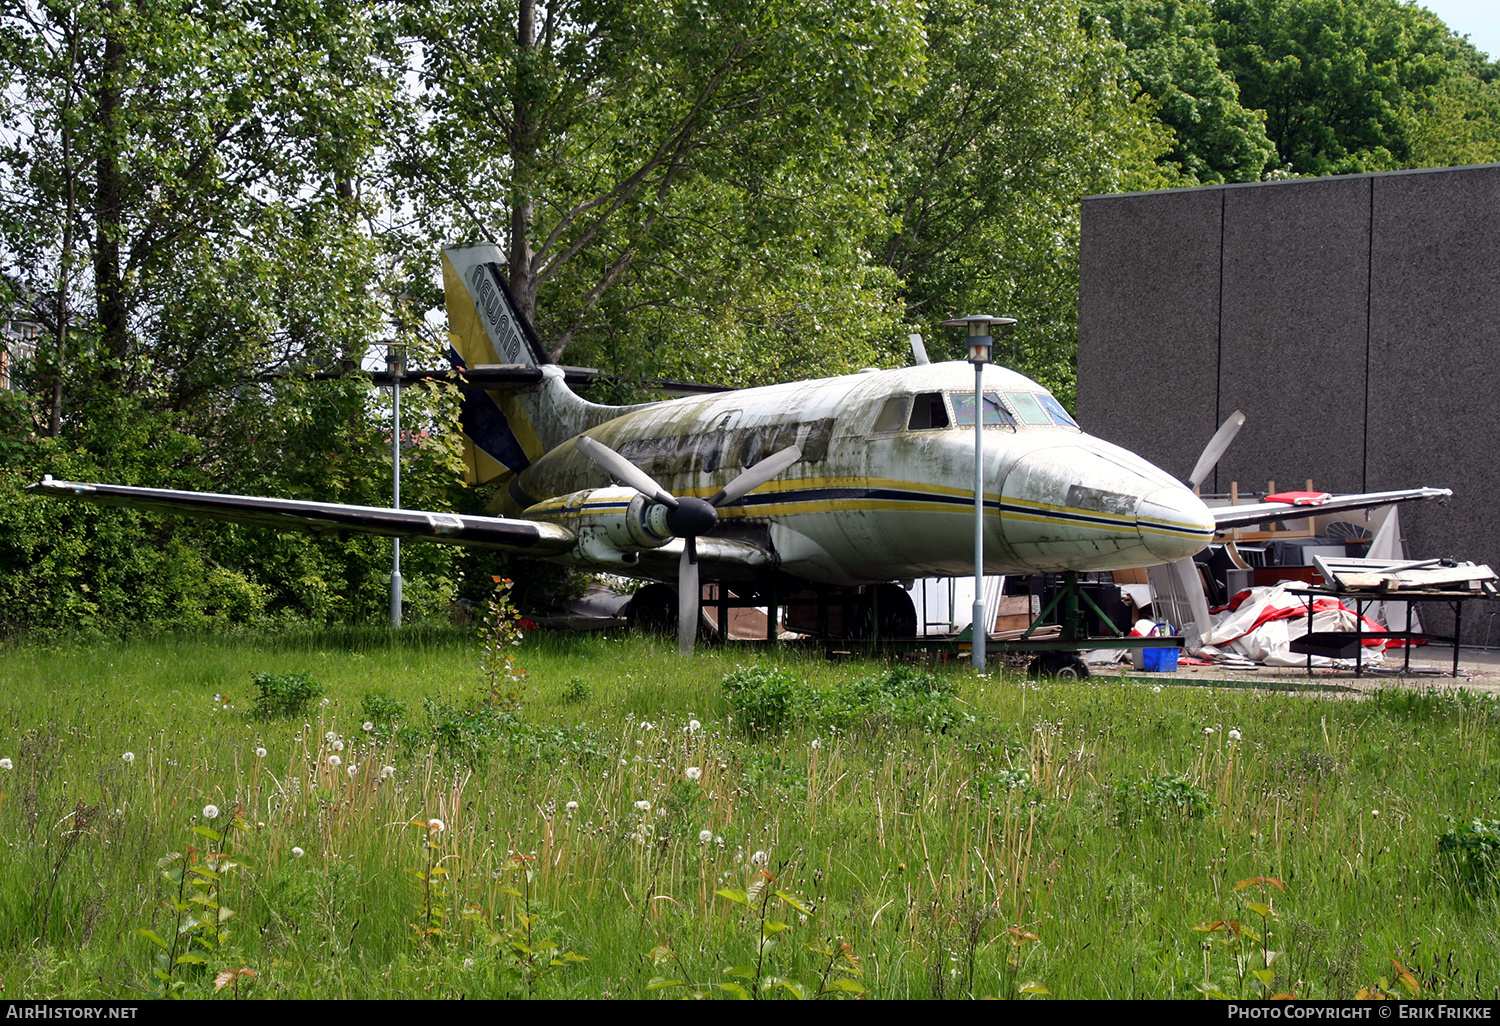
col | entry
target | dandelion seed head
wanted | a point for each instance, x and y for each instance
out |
(387, 772)
(435, 826)
(338, 746)
(1235, 735)
(817, 743)
(260, 753)
(330, 737)
(297, 853)
(6, 764)
(694, 726)
(704, 836)
(335, 761)
(353, 770)
(128, 758)
(693, 773)
(210, 812)
(760, 858)
(643, 805)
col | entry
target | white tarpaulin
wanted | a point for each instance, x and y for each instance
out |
(1264, 624)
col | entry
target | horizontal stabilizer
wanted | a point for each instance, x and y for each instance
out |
(521, 536)
(1226, 517)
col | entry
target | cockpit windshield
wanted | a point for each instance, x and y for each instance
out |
(994, 411)
(1034, 409)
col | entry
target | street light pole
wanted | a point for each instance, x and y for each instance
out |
(981, 344)
(395, 360)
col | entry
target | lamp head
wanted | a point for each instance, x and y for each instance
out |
(981, 343)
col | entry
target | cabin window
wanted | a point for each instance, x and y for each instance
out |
(1051, 405)
(892, 415)
(994, 410)
(928, 411)
(1027, 408)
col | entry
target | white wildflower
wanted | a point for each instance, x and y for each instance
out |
(6, 764)
(335, 761)
(353, 770)
(260, 753)
(817, 743)
(694, 726)
(338, 746)
(210, 812)
(1235, 735)
(367, 725)
(128, 758)
(704, 836)
(694, 773)
(387, 772)
(1156, 690)
(330, 737)
(643, 805)
(760, 858)
(297, 853)
(1208, 730)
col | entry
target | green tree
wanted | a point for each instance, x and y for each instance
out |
(1342, 83)
(1172, 59)
(680, 187)
(1024, 110)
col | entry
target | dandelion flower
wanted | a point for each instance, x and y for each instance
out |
(817, 743)
(694, 726)
(387, 772)
(760, 858)
(1156, 690)
(128, 758)
(353, 771)
(260, 753)
(1208, 730)
(368, 725)
(335, 761)
(6, 764)
(1235, 735)
(1375, 813)
(297, 853)
(210, 812)
(694, 773)
(330, 737)
(435, 826)
(338, 746)
(572, 807)
(704, 836)
(643, 805)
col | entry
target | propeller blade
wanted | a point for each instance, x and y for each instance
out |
(624, 471)
(756, 476)
(689, 592)
(918, 350)
(1216, 446)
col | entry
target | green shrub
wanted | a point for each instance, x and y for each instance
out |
(381, 708)
(762, 697)
(577, 690)
(1473, 851)
(1161, 798)
(283, 695)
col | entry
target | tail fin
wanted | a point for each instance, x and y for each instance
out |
(505, 429)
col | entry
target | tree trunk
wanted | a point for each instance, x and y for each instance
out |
(109, 200)
(523, 281)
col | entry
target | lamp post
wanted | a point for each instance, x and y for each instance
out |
(395, 363)
(981, 345)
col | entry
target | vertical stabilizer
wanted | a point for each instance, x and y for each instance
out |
(505, 429)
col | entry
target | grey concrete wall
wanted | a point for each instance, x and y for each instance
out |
(1355, 321)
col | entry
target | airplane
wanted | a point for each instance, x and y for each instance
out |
(850, 481)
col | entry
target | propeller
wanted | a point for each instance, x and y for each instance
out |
(1215, 448)
(688, 517)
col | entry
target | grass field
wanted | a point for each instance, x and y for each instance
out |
(812, 829)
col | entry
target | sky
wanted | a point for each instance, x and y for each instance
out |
(1477, 19)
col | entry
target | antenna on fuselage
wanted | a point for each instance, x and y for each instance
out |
(918, 350)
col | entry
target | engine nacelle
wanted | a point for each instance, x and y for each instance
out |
(611, 523)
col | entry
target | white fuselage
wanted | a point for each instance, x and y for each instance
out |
(885, 488)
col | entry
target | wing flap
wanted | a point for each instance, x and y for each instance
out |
(1226, 517)
(521, 536)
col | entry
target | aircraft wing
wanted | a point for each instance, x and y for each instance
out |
(1227, 517)
(522, 536)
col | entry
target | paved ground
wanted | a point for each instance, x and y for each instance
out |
(1478, 669)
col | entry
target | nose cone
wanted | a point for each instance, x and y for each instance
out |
(1174, 523)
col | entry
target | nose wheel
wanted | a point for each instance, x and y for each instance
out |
(1058, 665)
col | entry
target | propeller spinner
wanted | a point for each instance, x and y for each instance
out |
(687, 517)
